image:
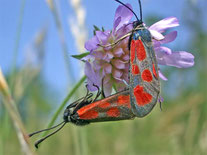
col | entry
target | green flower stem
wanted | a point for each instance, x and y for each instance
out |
(70, 94)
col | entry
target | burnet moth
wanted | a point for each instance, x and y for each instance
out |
(87, 110)
(144, 85)
(137, 100)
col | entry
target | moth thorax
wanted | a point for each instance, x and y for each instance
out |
(137, 23)
(67, 114)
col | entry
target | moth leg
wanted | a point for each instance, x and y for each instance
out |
(74, 104)
(160, 105)
(102, 89)
(160, 99)
(113, 44)
(85, 100)
(98, 93)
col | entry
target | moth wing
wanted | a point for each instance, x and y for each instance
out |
(144, 78)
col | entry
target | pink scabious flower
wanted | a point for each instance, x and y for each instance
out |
(111, 64)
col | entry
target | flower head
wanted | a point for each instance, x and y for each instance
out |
(112, 63)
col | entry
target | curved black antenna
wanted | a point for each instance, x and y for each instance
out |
(140, 9)
(129, 9)
(42, 139)
(34, 133)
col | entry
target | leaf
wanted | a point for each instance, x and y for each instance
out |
(80, 56)
(95, 29)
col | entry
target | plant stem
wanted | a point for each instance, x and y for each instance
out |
(16, 45)
(53, 7)
(10, 106)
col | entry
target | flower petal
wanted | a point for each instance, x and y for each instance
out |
(126, 57)
(90, 85)
(92, 77)
(159, 51)
(107, 68)
(92, 44)
(97, 65)
(97, 54)
(156, 43)
(118, 52)
(102, 36)
(123, 31)
(107, 85)
(156, 35)
(164, 24)
(117, 74)
(125, 15)
(118, 64)
(108, 56)
(116, 23)
(169, 37)
(180, 59)
(162, 76)
(89, 57)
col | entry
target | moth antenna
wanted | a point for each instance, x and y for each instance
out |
(140, 9)
(129, 9)
(34, 133)
(44, 138)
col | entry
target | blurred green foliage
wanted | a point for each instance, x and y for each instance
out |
(181, 128)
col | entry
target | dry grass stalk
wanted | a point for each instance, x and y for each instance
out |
(77, 24)
(13, 112)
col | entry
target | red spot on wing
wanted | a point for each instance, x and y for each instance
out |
(146, 75)
(135, 70)
(132, 51)
(154, 71)
(141, 53)
(113, 112)
(104, 105)
(124, 100)
(141, 96)
(91, 114)
(88, 107)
